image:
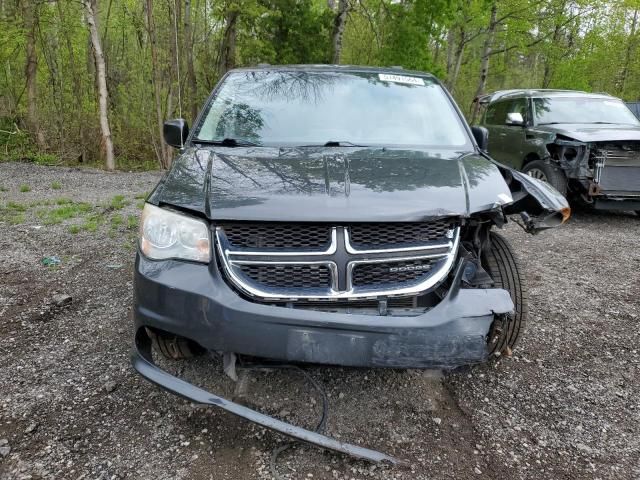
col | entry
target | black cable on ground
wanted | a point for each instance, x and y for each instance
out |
(322, 424)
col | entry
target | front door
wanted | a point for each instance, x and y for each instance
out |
(507, 142)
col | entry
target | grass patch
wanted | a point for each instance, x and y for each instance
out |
(142, 196)
(3, 189)
(13, 213)
(116, 221)
(64, 211)
(40, 203)
(118, 202)
(25, 188)
(74, 229)
(92, 222)
(16, 206)
(56, 185)
(132, 222)
(140, 205)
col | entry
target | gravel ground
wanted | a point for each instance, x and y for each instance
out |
(565, 405)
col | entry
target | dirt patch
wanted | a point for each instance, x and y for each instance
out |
(564, 406)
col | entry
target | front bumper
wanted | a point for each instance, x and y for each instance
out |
(193, 301)
(612, 202)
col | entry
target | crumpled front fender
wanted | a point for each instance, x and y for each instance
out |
(539, 205)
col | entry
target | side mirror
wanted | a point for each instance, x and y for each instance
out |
(481, 135)
(515, 119)
(175, 132)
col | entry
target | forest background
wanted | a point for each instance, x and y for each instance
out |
(92, 81)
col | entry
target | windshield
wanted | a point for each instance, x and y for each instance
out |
(582, 110)
(294, 108)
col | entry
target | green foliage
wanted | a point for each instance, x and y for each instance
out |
(56, 185)
(25, 188)
(586, 44)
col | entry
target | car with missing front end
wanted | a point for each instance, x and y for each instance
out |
(586, 145)
(334, 215)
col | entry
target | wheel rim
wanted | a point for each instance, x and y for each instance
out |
(538, 174)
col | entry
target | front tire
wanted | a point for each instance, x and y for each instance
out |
(548, 173)
(173, 347)
(502, 265)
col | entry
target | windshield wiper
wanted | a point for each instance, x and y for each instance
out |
(334, 143)
(227, 142)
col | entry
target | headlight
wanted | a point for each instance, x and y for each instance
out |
(168, 234)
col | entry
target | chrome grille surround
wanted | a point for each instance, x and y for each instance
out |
(340, 257)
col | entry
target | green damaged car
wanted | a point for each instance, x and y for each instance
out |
(585, 145)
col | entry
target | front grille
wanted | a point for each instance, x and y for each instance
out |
(390, 272)
(277, 235)
(275, 262)
(377, 234)
(289, 276)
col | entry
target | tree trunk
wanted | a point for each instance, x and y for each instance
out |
(628, 56)
(101, 80)
(191, 73)
(451, 38)
(548, 70)
(77, 84)
(30, 16)
(228, 50)
(484, 63)
(454, 64)
(339, 24)
(164, 158)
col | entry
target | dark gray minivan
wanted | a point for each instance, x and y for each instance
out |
(335, 215)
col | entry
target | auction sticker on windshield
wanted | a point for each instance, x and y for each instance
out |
(385, 77)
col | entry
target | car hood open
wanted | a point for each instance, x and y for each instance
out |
(331, 184)
(594, 133)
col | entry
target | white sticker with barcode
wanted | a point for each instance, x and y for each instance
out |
(386, 77)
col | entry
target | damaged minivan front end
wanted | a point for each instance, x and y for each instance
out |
(337, 253)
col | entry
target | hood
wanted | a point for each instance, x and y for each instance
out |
(331, 184)
(593, 133)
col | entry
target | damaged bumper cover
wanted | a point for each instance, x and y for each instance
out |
(194, 301)
(143, 363)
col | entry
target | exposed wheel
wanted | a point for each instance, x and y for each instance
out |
(502, 265)
(547, 173)
(173, 347)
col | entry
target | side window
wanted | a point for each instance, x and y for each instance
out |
(519, 105)
(497, 113)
